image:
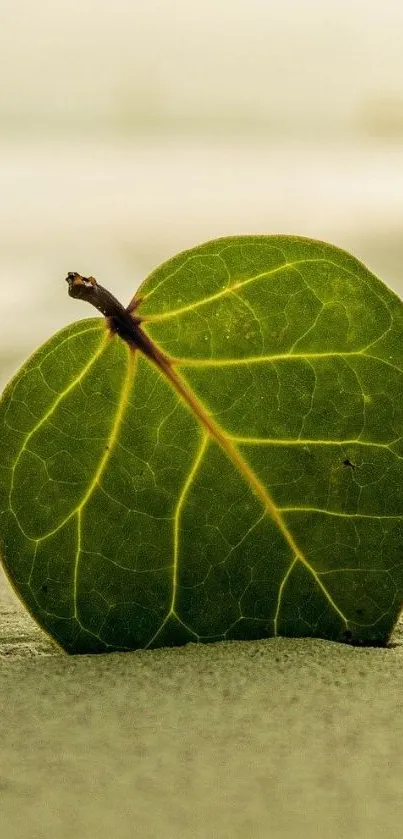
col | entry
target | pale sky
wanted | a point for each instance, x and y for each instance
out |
(289, 63)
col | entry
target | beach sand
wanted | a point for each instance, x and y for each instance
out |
(278, 738)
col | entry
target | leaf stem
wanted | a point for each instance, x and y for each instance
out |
(120, 320)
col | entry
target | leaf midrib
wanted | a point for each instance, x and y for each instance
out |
(216, 432)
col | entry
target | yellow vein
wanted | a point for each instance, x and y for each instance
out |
(227, 290)
(62, 395)
(178, 511)
(116, 424)
(217, 433)
(105, 457)
(76, 564)
(176, 526)
(280, 594)
(41, 357)
(299, 441)
(261, 359)
(338, 514)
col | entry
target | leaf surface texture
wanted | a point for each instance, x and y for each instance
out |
(256, 490)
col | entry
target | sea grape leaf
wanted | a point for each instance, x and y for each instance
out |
(225, 461)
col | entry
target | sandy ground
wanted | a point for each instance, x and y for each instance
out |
(278, 738)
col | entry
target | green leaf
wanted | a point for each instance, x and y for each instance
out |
(224, 462)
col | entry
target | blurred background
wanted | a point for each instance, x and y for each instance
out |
(131, 130)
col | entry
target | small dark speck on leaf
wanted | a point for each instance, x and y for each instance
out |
(45, 587)
(347, 462)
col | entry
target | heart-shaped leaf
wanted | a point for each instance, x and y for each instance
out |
(223, 459)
